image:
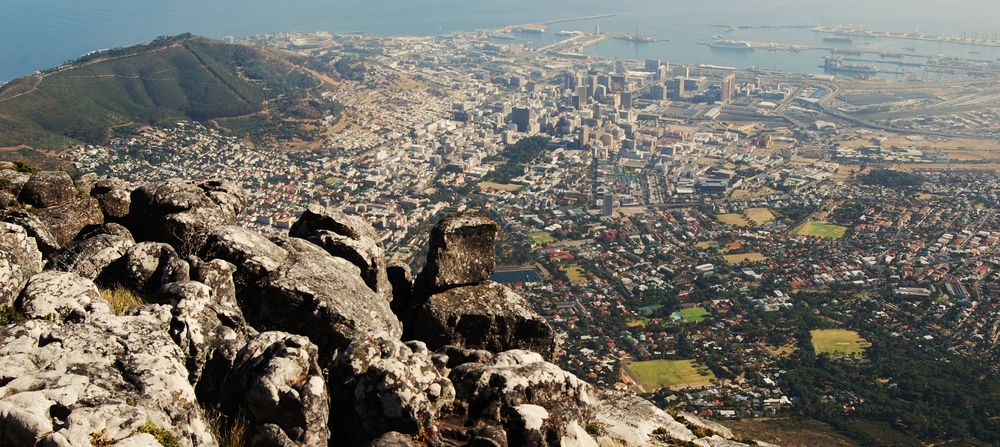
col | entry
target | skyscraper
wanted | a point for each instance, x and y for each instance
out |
(728, 88)
(522, 118)
(652, 65)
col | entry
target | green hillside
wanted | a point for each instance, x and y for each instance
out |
(170, 78)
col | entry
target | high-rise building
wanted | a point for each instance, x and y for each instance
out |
(600, 93)
(652, 65)
(609, 204)
(604, 80)
(677, 87)
(626, 97)
(522, 117)
(728, 88)
(658, 92)
(582, 92)
(618, 82)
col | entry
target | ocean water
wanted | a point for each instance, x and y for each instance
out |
(37, 34)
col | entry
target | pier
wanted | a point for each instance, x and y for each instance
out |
(541, 27)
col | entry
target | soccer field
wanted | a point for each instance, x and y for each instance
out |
(696, 315)
(838, 342)
(653, 375)
(541, 237)
(820, 229)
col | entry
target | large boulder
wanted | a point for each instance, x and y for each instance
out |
(47, 188)
(276, 383)
(461, 252)
(19, 261)
(387, 386)
(254, 255)
(487, 316)
(208, 328)
(62, 296)
(46, 242)
(348, 237)
(89, 257)
(115, 197)
(216, 274)
(145, 267)
(15, 180)
(315, 294)
(182, 213)
(535, 400)
(632, 420)
(66, 220)
(109, 380)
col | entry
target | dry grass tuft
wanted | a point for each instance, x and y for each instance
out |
(228, 432)
(121, 300)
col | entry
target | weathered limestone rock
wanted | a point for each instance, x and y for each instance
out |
(254, 255)
(277, 384)
(7, 200)
(317, 295)
(69, 384)
(387, 386)
(348, 237)
(209, 329)
(494, 392)
(461, 252)
(182, 213)
(488, 316)
(114, 196)
(89, 257)
(66, 220)
(19, 261)
(632, 420)
(457, 355)
(47, 188)
(63, 296)
(15, 180)
(145, 267)
(712, 427)
(218, 275)
(46, 242)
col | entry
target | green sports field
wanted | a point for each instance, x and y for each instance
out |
(696, 315)
(541, 237)
(820, 229)
(838, 342)
(653, 375)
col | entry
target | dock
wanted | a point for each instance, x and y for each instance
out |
(861, 32)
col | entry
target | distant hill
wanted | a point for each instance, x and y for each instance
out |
(170, 78)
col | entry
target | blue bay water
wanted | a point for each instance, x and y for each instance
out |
(37, 34)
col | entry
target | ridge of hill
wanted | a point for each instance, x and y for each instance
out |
(179, 77)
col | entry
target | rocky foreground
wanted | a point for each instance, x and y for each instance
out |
(142, 316)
